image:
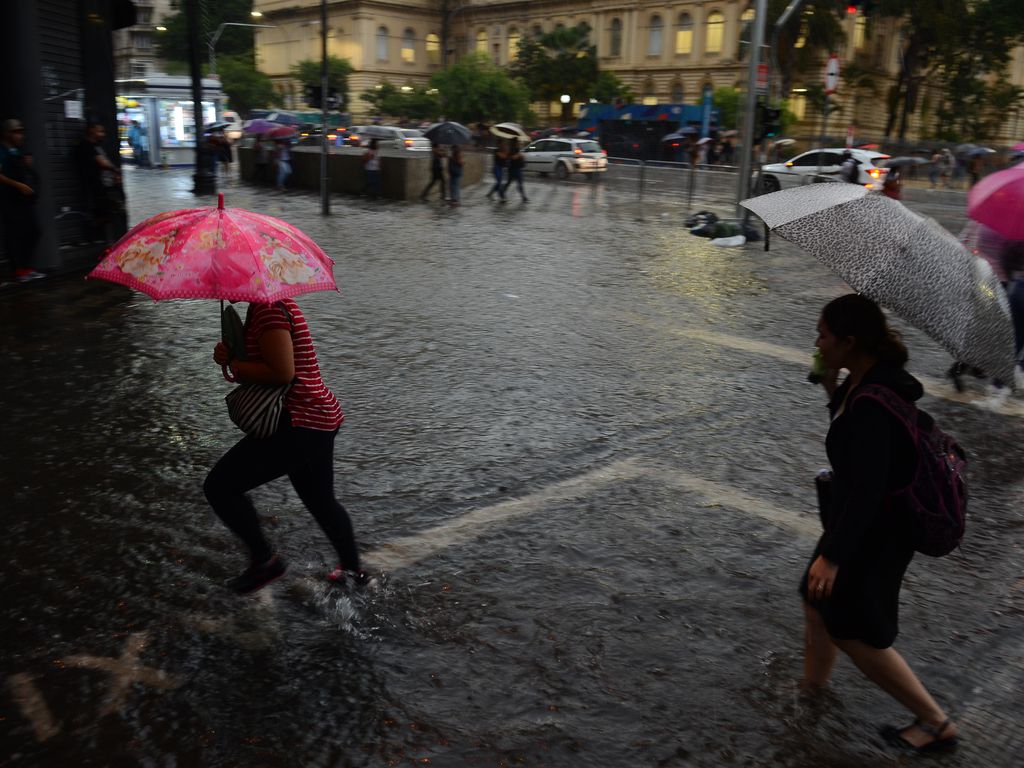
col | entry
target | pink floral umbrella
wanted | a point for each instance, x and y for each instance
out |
(217, 253)
(997, 201)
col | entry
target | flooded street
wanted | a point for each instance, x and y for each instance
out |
(579, 455)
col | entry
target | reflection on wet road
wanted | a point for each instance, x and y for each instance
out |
(579, 451)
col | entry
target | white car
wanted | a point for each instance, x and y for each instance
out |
(803, 169)
(564, 157)
(389, 137)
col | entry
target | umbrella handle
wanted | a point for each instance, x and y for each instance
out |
(227, 374)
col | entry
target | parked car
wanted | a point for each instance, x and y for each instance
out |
(803, 169)
(564, 157)
(389, 137)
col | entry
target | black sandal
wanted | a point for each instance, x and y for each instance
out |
(894, 735)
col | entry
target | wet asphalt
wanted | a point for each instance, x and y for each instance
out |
(578, 452)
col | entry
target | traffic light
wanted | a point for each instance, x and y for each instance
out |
(314, 96)
(771, 122)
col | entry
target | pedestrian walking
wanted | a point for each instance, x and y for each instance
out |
(18, 197)
(727, 152)
(437, 156)
(515, 172)
(848, 170)
(974, 169)
(279, 350)
(101, 183)
(455, 163)
(262, 160)
(225, 154)
(371, 169)
(947, 166)
(498, 166)
(282, 163)
(851, 587)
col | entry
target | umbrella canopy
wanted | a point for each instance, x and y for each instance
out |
(689, 130)
(906, 263)
(259, 126)
(510, 131)
(729, 134)
(997, 201)
(217, 253)
(896, 162)
(214, 127)
(285, 118)
(1018, 147)
(375, 132)
(963, 149)
(784, 142)
(704, 140)
(674, 137)
(281, 132)
(449, 133)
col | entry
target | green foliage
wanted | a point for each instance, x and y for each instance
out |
(727, 101)
(818, 26)
(307, 72)
(246, 87)
(609, 87)
(474, 89)
(389, 100)
(561, 61)
(234, 41)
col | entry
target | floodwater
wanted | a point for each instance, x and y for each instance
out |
(578, 456)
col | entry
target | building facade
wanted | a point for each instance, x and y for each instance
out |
(135, 55)
(666, 52)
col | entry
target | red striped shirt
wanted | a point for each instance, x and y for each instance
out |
(309, 402)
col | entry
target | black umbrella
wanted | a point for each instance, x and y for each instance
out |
(896, 162)
(212, 127)
(449, 133)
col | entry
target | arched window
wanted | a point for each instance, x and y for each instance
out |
(513, 43)
(481, 41)
(677, 92)
(382, 43)
(433, 49)
(716, 25)
(654, 36)
(684, 34)
(615, 38)
(409, 46)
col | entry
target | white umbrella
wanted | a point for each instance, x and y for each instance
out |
(905, 262)
(510, 131)
(704, 140)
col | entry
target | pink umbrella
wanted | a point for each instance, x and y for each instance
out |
(997, 201)
(1018, 147)
(217, 253)
(281, 132)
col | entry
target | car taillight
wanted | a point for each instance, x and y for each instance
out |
(331, 137)
(353, 137)
(876, 173)
(604, 152)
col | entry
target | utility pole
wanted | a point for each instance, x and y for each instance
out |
(743, 183)
(325, 196)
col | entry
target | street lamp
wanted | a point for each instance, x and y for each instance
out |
(216, 36)
(565, 98)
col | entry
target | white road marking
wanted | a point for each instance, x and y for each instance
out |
(126, 670)
(32, 705)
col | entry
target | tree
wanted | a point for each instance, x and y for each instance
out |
(562, 61)
(609, 87)
(246, 87)
(387, 99)
(233, 41)
(475, 89)
(805, 37)
(727, 102)
(307, 72)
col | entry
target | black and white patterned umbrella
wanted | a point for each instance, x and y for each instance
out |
(907, 263)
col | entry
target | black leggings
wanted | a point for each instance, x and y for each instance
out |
(307, 457)
(514, 175)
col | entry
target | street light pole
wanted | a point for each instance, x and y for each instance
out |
(203, 180)
(743, 183)
(216, 36)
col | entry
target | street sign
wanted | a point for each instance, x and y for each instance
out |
(762, 79)
(832, 74)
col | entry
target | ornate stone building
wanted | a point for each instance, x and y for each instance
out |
(667, 52)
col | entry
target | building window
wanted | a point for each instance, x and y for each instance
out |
(654, 36)
(513, 43)
(139, 70)
(677, 92)
(860, 28)
(143, 15)
(481, 41)
(615, 38)
(382, 43)
(538, 30)
(409, 47)
(684, 34)
(650, 98)
(716, 25)
(143, 41)
(798, 103)
(433, 49)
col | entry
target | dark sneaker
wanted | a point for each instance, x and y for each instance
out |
(340, 575)
(258, 576)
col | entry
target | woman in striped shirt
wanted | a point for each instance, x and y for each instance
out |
(279, 350)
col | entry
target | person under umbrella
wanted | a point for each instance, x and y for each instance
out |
(437, 156)
(455, 163)
(515, 172)
(498, 166)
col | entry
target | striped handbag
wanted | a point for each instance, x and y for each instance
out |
(256, 408)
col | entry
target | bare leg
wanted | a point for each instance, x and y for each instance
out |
(886, 668)
(819, 650)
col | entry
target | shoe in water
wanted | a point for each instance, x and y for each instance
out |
(340, 575)
(258, 576)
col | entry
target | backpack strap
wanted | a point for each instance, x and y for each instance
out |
(905, 412)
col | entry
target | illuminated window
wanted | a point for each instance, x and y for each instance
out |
(433, 49)
(409, 47)
(860, 28)
(748, 15)
(654, 36)
(684, 34)
(513, 43)
(481, 41)
(798, 104)
(716, 25)
(382, 43)
(537, 31)
(615, 38)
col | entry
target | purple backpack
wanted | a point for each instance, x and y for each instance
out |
(937, 496)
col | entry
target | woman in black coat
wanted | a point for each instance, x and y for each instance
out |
(851, 588)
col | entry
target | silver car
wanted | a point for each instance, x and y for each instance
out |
(804, 169)
(390, 137)
(564, 157)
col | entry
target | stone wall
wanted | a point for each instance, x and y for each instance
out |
(403, 174)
